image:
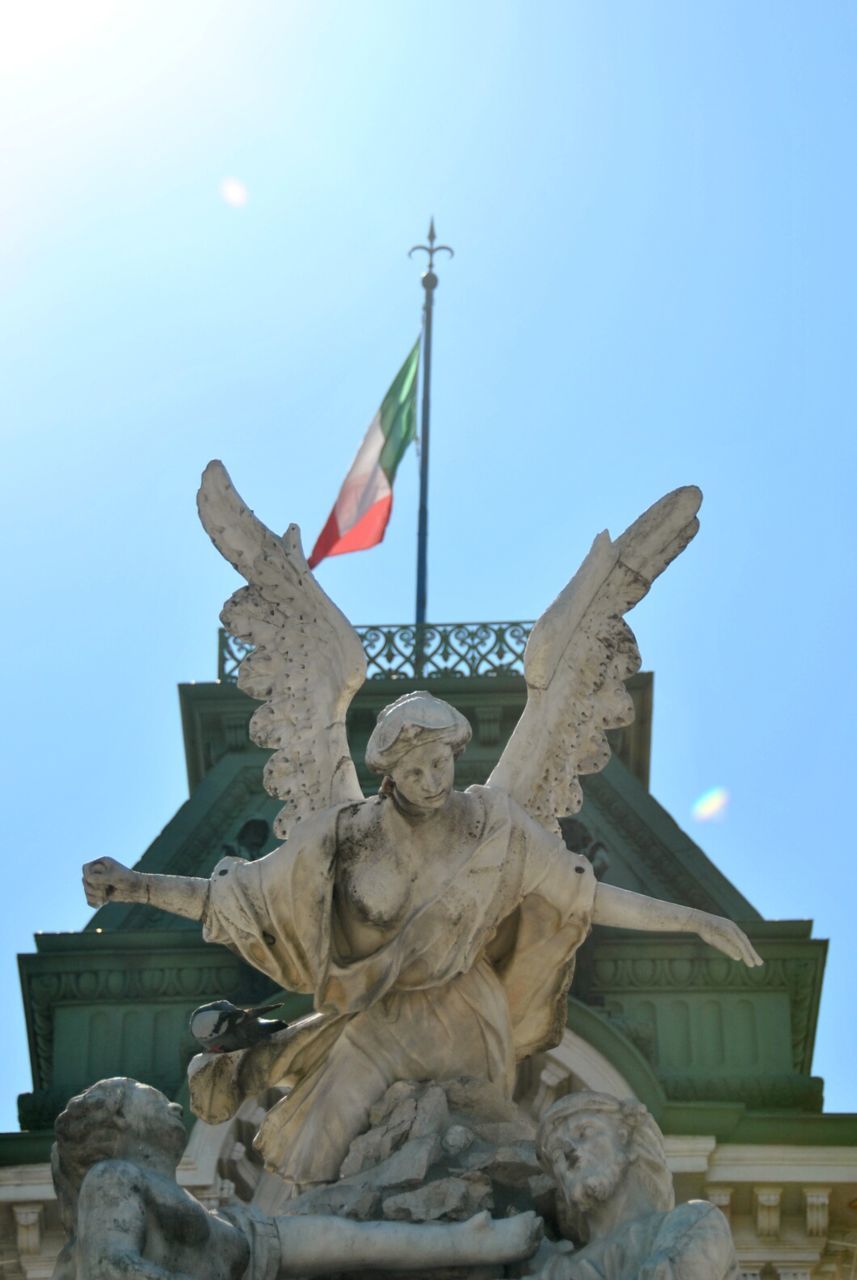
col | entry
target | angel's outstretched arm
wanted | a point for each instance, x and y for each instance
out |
(106, 880)
(625, 910)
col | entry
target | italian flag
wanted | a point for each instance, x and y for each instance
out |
(361, 512)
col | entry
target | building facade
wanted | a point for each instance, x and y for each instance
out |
(720, 1054)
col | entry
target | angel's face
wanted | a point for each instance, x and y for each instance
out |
(424, 776)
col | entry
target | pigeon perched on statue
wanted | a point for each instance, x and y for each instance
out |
(223, 1027)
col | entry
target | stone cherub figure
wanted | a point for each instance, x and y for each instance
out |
(615, 1201)
(114, 1164)
(436, 929)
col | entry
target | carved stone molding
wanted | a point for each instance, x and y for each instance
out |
(817, 1205)
(792, 1091)
(722, 1197)
(613, 972)
(113, 981)
(767, 1205)
(28, 1223)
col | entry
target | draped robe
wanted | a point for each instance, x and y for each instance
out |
(475, 979)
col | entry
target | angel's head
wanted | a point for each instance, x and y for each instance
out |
(414, 743)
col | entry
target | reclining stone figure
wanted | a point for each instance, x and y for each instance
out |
(114, 1165)
(615, 1201)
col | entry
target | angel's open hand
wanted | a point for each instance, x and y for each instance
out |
(728, 938)
(106, 880)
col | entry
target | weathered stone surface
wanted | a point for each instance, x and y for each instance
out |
(453, 1199)
(513, 1165)
(443, 1164)
(371, 1148)
(444, 870)
(457, 1138)
(432, 1113)
(406, 1167)
(343, 1199)
(596, 1172)
(484, 1103)
(402, 1091)
(616, 1194)
(114, 1165)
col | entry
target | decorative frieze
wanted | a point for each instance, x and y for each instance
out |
(616, 970)
(187, 977)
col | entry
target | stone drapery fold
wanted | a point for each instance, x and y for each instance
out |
(475, 978)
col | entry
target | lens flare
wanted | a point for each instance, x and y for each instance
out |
(234, 192)
(711, 805)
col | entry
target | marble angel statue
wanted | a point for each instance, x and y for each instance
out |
(435, 929)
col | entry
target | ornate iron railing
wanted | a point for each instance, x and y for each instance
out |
(409, 652)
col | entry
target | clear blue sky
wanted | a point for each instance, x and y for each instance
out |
(653, 211)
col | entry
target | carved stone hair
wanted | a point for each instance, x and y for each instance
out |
(95, 1126)
(409, 722)
(89, 1130)
(645, 1142)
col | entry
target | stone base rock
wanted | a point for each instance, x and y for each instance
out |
(438, 1152)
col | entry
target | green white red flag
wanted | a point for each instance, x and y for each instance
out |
(361, 512)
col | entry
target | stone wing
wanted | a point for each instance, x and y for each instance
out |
(578, 657)
(307, 661)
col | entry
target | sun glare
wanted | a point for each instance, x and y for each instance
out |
(36, 33)
(233, 192)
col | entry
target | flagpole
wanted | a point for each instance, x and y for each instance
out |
(429, 282)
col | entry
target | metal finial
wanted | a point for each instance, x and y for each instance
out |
(430, 248)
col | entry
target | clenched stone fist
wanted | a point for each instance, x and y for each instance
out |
(106, 880)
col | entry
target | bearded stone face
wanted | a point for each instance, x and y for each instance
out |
(587, 1156)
